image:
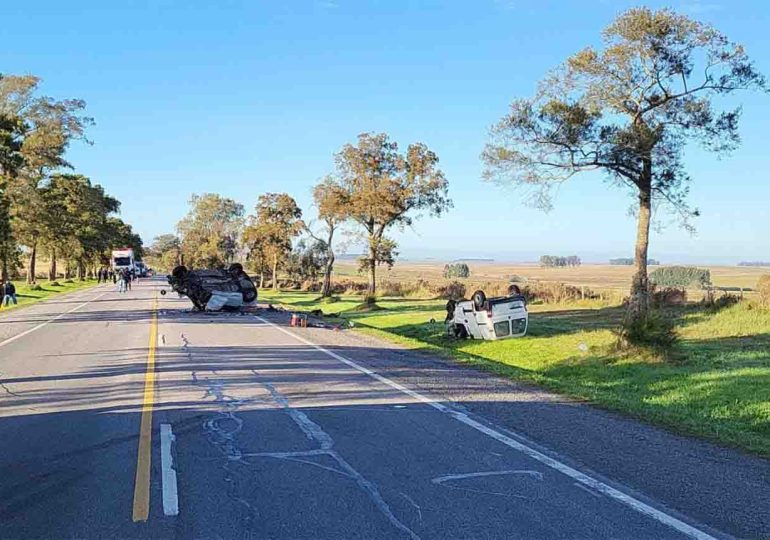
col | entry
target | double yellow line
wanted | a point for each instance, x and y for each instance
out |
(144, 456)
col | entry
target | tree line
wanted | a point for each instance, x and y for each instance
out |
(45, 207)
(374, 188)
(629, 261)
(553, 261)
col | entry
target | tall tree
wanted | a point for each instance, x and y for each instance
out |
(385, 188)
(211, 230)
(627, 110)
(331, 200)
(43, 129)
(278, 220)
(167, 249)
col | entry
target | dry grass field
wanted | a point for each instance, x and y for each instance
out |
(594, 276)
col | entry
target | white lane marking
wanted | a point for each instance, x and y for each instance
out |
(168, 476)
(45, 323)
(580, 477)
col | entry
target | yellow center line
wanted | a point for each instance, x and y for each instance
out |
(144, 455)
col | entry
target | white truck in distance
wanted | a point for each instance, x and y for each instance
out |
(123, 259)
(488, 318)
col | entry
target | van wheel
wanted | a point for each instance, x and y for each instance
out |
(479, 299)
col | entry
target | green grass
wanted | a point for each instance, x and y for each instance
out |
(26, 296)
(719, 389)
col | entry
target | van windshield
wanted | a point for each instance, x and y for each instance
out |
(122, 261)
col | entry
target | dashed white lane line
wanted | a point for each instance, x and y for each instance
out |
(168, 476)
(45, 323)
(582, 478)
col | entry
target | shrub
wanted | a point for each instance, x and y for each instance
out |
(668, 296)
(349, 286)
(556, 292)
(456, 270)
(35, 287)
(69, 281)
(453, 291)
(310, 285)
(724, 301)
(763, 289)
(390, 288)
(55, 284)
(681, 277)
(655, 331)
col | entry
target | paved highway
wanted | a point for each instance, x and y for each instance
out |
(126, 415)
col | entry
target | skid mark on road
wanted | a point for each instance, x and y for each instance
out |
(444, 481)
(316, 433)
(222, 430)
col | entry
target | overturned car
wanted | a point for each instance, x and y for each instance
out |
(213, 290)
(488, 318)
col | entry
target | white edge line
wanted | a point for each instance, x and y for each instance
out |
(45, 323)
(170, 494)
(576, 475)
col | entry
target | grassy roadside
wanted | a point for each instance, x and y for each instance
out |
(720, 390)
(27, 296)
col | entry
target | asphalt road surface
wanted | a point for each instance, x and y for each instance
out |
(128, 416)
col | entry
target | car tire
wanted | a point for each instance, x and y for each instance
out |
(479, 299)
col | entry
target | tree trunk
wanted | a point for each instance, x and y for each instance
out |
(32, 264)
(52, 268)
(639, 303)
(4, 266)
(372, 270)
(275, 272)
(81, 270)
(326, 288)
(262, 279)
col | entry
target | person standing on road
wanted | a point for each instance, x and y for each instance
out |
(114, 276)
(126, 281)
(120, 281)
(8, 291)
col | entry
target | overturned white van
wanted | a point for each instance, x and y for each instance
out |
(488, 318)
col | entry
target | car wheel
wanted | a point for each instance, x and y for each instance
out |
(479, 299)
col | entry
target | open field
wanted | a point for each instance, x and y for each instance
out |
(25, 296)
(720, 389)
(595, 276)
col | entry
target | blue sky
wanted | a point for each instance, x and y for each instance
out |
(244, 97)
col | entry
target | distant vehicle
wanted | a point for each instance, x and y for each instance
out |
(488, 318)
(213, 290)
(123, 259)
(141, 269)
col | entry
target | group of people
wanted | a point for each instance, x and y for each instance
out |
(122, 278)
(103, 275)
(7, 293)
